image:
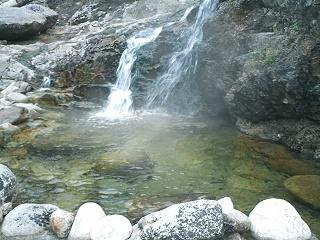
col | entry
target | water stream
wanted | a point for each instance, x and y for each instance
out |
(182, 63)
(119, 103)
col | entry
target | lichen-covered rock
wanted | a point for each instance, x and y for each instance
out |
(28, 220)
(197, 220)
(88, 216)
(61, 222)
(306, 188)
(276, 219)
(7, 184)
(115, 227)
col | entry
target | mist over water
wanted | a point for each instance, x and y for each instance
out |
(182, 63)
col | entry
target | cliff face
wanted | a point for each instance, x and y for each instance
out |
(263, 58)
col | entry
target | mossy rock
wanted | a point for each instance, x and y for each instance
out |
(306, 188)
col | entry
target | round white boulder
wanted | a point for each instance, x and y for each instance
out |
(88, 216)
(113, 227)
(276, 219)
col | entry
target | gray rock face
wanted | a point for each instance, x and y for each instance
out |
(11, 115)
(25, 22)
(50, 15)
(7, 184)
(197, 220)
(28, 220)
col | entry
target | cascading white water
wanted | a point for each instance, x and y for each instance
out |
(181, 64)
(119, 103)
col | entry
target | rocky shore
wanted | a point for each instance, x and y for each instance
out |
(271, 219)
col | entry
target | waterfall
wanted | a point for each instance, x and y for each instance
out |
(120, 102)
(181, 63)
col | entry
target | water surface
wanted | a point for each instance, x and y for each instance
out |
(139, 165)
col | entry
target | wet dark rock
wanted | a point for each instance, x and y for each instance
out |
(300, 135)
(7, 184)
(262, 63)
(306, 188)
(93, 92)
(21, 23)
(51, 98)
(196, 220)
(28, 220)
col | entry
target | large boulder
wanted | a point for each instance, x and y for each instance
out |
(306, 188)
(28, 220)
(7, 184)
(25, 22)
(88, 216)
(276, 219)
(197, 220)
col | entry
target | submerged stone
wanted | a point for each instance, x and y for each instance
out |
(306, 188)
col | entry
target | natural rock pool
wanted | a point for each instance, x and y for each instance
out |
(143, 164)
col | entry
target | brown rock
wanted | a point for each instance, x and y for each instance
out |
(61, 222)
(306, 188)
